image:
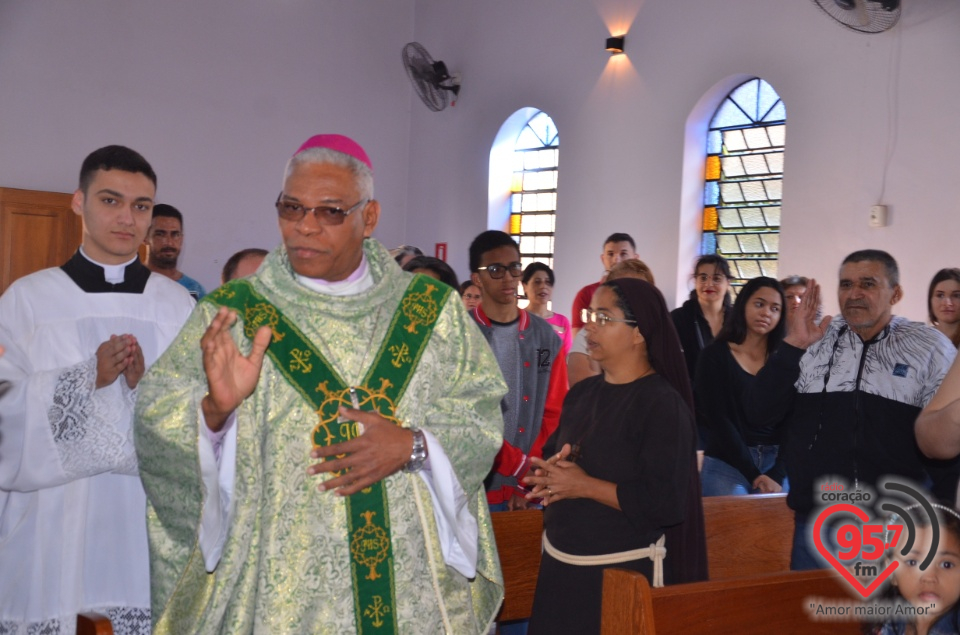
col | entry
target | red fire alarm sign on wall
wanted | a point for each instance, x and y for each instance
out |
(442, 251)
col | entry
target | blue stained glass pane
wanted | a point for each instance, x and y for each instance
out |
(746, 96)
(714, 142)
(708, 244)
(711, 193)
(778, 113)
(768, 96)
(729, 115)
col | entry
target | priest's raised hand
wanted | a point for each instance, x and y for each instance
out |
(231, 376)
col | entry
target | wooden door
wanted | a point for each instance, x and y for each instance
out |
(37, 230)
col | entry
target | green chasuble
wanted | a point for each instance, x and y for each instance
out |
(285, 566)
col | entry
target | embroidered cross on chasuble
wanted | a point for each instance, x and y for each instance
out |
(307, 371)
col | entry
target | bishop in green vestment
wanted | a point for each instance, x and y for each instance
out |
(313, 444)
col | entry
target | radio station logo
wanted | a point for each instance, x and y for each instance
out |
(854, 531)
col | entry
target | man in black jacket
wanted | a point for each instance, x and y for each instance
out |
(849, 390)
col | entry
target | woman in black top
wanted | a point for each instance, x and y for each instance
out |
(737, 459)
(700, 318)
(621, 476)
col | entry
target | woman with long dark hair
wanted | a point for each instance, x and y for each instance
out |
(620, 486)
(943, 303)
(700, 318)
(739, 459)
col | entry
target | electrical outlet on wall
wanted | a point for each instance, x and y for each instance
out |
(878, 216)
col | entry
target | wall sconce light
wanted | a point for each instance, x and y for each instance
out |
(615, 44)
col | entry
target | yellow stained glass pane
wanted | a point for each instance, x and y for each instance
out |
(515, 224)
(713, 168)
(516, 183)
(709, 219)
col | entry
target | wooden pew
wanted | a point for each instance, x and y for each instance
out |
(762, 604)
(746, 535)
(93, 624)
(518, 541)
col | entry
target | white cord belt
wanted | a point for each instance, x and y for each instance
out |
(656, 552)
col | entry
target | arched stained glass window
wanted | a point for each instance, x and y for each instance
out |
(533, 189)
(744, 181)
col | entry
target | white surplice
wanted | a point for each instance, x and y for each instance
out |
(72, 508)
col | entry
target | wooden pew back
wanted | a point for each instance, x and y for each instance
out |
(762, 604)
(747, 535)
(518, 542)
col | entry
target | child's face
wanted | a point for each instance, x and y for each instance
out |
(940, 583)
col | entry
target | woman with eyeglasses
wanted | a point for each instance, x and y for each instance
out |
(700, 318)
(620, 486)
(740, 459)
(537, 281)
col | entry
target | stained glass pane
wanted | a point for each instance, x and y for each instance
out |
(731, 192)
(546, 201)
(527, 140)
(748, 269)
(515, 202)
(769, 268)
(750, 243)
(728, 244)
(746, 96)
(730, 218)
(527, 245)
(544, 244)
(529, 203)
(753, 191)
(516, 182)
(729, 115)
(775, 162)
(773, 216)
(754, 164)
(713, 168)
(752, 217)
(711, 193)
(756, 138)
(708, 243)
(732, 167)
(771, 243)
(518, 159)
(777, 113)
(515, 223)
(714, 142)
(774, 189)
(710, 219)
(733, 141)
(778, 135)
(767, 98)
(540, 124)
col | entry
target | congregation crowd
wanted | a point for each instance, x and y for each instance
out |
(317, 444)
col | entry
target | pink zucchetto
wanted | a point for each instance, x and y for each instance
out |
(339, 143)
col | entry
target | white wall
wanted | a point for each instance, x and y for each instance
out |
(216, 95)
(849, 98)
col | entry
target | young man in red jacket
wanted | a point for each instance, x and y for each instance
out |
(528, 351)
